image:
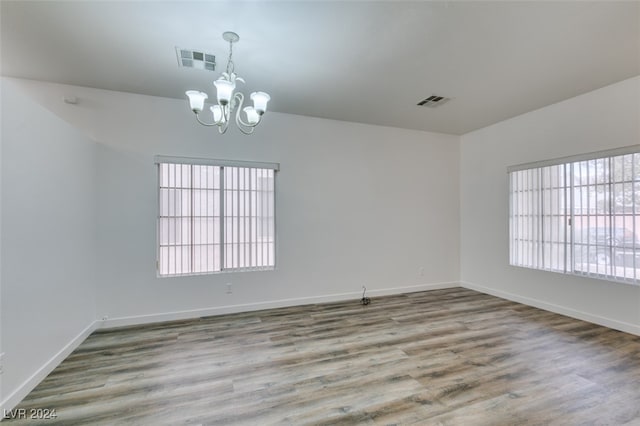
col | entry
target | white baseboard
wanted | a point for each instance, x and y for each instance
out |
(23, 390)
(248, 307)
(584, 316)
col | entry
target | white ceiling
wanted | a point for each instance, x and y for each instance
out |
(367, 62)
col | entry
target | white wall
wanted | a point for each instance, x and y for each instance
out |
(356, 205)
(603, 119)
(1, 347)
(48, 240)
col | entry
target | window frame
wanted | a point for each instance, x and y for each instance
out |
(566, 210)
(224, 189)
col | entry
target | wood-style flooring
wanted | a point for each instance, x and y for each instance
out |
(445, 357)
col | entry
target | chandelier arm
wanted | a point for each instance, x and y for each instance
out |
(239, 121)
(240, 100)
(246, 132)
(248, 128)
(206, 124)
(226, 114)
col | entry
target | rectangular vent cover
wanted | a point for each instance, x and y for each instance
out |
(196, 59)
(434, 101)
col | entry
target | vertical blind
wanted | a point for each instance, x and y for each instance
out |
(215, 215)
(578, 215)
(538, 216)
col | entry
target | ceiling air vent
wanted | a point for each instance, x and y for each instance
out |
(196, 59)
(434, 101)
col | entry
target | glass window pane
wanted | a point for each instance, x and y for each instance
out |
(190, 218)
(590, 230)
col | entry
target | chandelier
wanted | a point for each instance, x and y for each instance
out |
(228, 101)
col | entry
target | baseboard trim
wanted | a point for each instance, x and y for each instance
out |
(23, 390)
(248, 307)
(558, 309)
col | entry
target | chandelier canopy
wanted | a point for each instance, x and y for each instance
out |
(228, 101)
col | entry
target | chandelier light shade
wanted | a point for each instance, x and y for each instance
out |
(196, 100)
(228, 100)
(252, 115)
(260, 100)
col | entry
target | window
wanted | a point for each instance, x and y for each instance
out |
(214, 216)
(578, 215)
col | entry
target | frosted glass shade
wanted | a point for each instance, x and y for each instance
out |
(225, 90)
(196, 100)
(252, 115)
(260, 100)
(217, 114)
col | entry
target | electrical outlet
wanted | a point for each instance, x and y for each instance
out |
(229, 288)
(421, 271)
(1, 362)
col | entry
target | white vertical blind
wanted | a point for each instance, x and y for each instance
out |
(214, 218)
(578, 217)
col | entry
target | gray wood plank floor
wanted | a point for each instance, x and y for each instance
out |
(445, 357)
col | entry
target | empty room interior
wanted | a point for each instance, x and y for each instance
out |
(320, 212)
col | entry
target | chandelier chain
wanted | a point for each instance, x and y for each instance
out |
(230, 64)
